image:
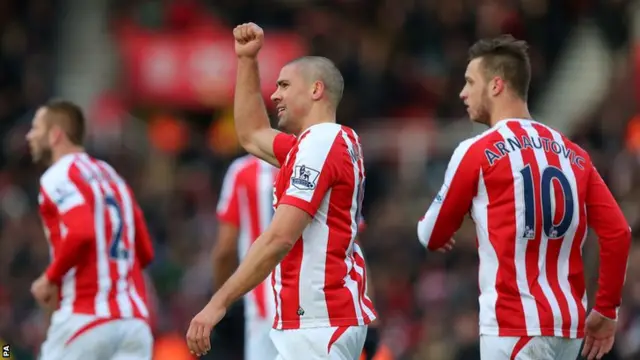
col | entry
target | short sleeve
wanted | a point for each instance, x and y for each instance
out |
(228, 209)
(314, 170)
(63, 193)
(282, 145)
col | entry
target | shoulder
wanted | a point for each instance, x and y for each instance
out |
(61, 184)
(475, 146)
(329, 140)
(58, 174)
(239, 170)
(242, 165)
(567, 142)
(115, 176)
(321, 134)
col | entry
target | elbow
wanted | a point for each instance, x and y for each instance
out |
(282, 244)
(616, 242)
(244, 138)
(624, 238)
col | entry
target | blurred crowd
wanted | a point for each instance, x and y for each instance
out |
(403, 62)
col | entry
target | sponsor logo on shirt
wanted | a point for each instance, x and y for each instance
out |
(63, 192)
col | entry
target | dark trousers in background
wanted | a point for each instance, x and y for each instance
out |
(227, 339)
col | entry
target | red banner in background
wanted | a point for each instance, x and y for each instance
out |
(197, 68)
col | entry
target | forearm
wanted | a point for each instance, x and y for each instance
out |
(263, 256)
(249, 110)
(144, 245)
(67, 256)
(435, 230)
(613, 268)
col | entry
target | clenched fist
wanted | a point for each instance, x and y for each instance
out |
(249, 39)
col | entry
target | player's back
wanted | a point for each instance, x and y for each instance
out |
(85, 198)
(530, 219)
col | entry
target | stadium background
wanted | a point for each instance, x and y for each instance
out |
(155, 78)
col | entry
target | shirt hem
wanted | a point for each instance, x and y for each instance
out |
(495, 331)
(320, 323)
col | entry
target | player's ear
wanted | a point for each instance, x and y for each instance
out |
(496, 85)
(55, 133)
(317, 90)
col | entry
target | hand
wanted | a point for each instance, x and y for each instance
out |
(598, 336)
(200, 328)
(249, 39)
(45, 292)
(448, 246)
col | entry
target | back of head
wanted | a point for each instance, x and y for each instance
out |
(318, 68)
(507, 58)
(69, 117)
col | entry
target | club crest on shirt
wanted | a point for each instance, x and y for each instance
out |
(304, 177)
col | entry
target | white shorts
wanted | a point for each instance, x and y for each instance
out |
(328, 343)
(81, 337)
(257, 341)
(528, 348)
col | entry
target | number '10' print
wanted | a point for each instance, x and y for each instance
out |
(551, 229)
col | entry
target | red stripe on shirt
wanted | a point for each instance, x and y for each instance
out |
(500, 218)
(554, 245)
(545, 313)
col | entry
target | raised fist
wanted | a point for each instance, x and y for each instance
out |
(249, 39)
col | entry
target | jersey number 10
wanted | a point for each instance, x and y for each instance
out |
(551, 230)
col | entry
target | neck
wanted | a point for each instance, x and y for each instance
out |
(512, 110)
(317, 115)
(60, 152)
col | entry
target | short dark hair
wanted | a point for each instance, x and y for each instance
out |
(70, 118)
(323, 69)
(507, 57)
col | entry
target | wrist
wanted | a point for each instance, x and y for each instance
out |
(50, 275)
(609, 313)
(220, 299)
(249, 58)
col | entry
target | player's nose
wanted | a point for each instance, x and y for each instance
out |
(275, 97)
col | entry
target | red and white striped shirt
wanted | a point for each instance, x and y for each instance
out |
(321, 282)
(98, 238)
(246, 202)
(531, 193)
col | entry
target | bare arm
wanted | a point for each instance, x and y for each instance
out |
(225, 254)
(264, 255)
(252, 123)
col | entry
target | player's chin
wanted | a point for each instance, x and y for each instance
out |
(35, 157)
(282, 122)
